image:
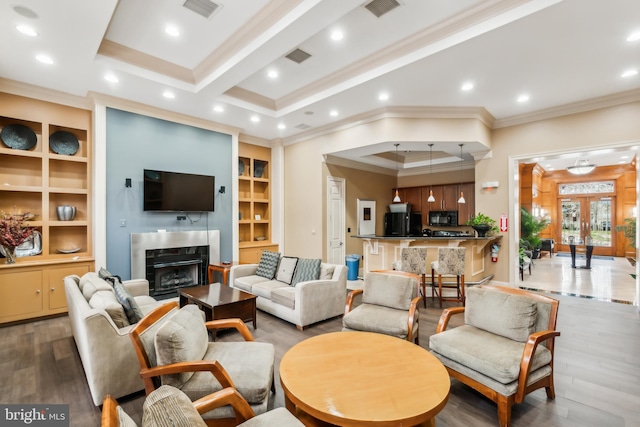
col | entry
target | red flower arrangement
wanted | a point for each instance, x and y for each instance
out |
(14, 231)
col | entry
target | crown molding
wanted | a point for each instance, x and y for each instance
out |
(572, 108)
(159, 113)
(43, 94)
(254, 140)
(352, 164)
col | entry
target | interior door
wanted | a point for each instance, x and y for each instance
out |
(588, 219)
(335, 221)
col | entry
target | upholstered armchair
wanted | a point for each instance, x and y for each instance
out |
(547, 245)
(389, 305)
(169, 406)
(173, 348)
(504, 350)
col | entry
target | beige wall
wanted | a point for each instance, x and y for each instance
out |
(305, 194)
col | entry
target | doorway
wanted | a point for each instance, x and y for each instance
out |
(335, 220)
(588, 219)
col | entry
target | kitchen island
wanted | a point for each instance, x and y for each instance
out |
(381, 252)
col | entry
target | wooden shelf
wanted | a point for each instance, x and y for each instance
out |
(38, 180)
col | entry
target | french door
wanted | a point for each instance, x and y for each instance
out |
(588, 219)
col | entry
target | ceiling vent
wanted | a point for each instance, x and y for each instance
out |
(298, 56)
(203, 8)
(302, 126)
(380, 7)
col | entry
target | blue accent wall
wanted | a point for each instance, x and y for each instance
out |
(135, 143)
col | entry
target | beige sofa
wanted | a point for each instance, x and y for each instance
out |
(306, 303)
(106, 351)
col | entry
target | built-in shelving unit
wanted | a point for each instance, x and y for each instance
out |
(254, 201)
(38, 180)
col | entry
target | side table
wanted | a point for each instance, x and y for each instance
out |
(221, 268)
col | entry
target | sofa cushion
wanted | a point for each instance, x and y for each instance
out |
(286, 269)
(492, 355)
(285, 296)
(306, 269)
(131, 309)
(182, 338)
(146, 303)
(93, 284)
(508, 315)
(263, 289)
(268, 264)
(326, 271)
(106, 300)
(85, 278)
(389, 290)
(170, 407)
(246, 283)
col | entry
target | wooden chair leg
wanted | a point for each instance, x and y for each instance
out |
(550, 389)
(464, 298)
(504, 410)
(424, 290)
(433, 284)
(440, 289)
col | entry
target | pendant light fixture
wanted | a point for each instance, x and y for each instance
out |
(461, 199)
(431, 198)
(397, 198)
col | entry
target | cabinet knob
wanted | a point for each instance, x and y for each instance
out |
(38, 291)
(53, 289)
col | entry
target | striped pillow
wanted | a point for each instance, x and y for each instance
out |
(306, 269)
(268, 264)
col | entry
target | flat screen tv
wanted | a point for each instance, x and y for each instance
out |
(178, 192)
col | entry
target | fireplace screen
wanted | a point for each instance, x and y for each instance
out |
(168, 270)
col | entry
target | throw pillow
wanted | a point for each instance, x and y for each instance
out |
(182, 338)
(306, 269)
(130, 306)
(286, 269)
(326, 271)
(268, 264)
(169, 407)
(104, 274)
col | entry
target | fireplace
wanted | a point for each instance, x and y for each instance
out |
(173, 260)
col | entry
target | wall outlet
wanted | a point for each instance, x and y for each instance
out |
(123, 223)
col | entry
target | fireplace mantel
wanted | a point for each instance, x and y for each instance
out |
(141, 242)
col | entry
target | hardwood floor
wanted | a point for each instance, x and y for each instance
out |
(597, 369)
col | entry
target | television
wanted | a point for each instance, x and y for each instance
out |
(181, 192)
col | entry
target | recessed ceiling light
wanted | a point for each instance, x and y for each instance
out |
(27, 30)
(523, 98)
(467, 86)
(333, 113)
(172, 30)
(272, 74)
(282, 126)
(111, 78)
(168, 94)
(337, 35)
(218, 109)
(383, 96)
(255, 119)
(629, 73)
(44, 59)
(634, 36)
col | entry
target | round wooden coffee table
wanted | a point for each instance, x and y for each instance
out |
(364, 379)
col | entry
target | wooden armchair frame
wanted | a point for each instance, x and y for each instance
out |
(412, 308)
(546, 338)
(149, 373)
(226, 396)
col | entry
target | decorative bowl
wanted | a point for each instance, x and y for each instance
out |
(66, 212)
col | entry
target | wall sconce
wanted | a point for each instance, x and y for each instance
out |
(127, 182)
(222, 190)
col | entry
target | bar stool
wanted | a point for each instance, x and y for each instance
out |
(450, 263)
(414, 260)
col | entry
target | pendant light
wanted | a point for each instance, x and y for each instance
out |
(431, 198)
(461, 199)
(397, 198)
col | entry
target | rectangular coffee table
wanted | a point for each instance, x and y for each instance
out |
(221, 302)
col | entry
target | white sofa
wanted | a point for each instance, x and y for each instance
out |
(108, 358)
(306, 303)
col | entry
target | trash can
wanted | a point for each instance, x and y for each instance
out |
(353, 262)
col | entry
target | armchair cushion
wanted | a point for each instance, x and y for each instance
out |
(508, 315)
(389, 291)
(306, 269)
(182, 338)
(124, 420)
(491, 355)
(169, 407)
(375, 318)
(268, 264)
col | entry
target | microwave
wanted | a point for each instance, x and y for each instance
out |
(443, 218)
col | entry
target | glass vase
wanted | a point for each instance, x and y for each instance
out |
(10, 255)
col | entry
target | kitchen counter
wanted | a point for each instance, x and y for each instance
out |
(380, 252)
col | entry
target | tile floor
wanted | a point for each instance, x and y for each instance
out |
(605, 281)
